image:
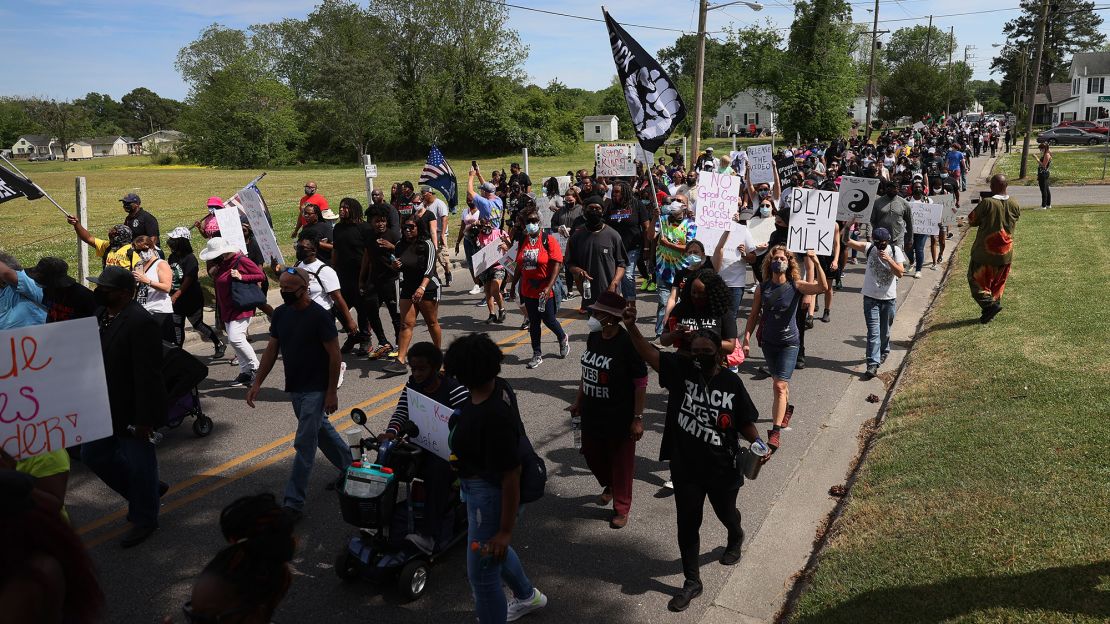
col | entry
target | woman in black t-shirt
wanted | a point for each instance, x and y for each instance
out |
(185, 293)
(610, 404)
(708, 411)
(485, 450)
(418, 288)
(704, 304)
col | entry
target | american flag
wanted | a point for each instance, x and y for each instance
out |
(439, 175)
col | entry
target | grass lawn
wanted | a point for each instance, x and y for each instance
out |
(986, 497)
(176, 194)
(1070, 165)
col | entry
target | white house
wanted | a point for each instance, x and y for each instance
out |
(30, 145)
(858, 110)
(161, 142)
(600, 128)
(737, 114)
(110, 145)
(79, 150)
(1090, 89)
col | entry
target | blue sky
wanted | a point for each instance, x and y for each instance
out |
(112, 46)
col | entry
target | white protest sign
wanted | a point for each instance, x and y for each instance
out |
(615, 159)
(717, 196)
(736, 234)
(486, 257)
(509, 257)
(762, 163)
(255, 210)
(647, 158)
(52, 388)
(231, 229)
(857, 198)
(431, 418)
(926, 217)
(812, 220)
(564, 183)
(949, 210)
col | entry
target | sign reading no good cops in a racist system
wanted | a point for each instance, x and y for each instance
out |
(812, 221)
(615, 159)
(52, 389)
(718, 196)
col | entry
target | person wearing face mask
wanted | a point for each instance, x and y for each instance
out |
(675, 233)
(775, 313)
(305, 336)
(425, 363)
(596, 254)
(378, 280)
(154, 278)
(893, 213)
(310, 197)
(418, 289)
(610, 404)
(116, 251)
(885, 264)
(630, 218)
(228, 264)
(708, 411)
(490, 206)
(539, 260)
(186, 296)
(692, 262)
(131, 345)
(141, 222)
(704, 304)
(917, 252)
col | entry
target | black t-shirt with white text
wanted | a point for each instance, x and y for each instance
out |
(609, 368)
(485, 437)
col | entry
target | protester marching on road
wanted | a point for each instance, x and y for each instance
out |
(418, 289)
(63, 298)
(116, 251)
(186, 295)
(141, 222)
(885, 263)
(154, 281)
(539, 262)
(378, 278)
(596, 256)
(227, 264)
(352, 235)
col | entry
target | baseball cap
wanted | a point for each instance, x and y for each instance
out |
(131, 198)
(180, 232)
(881, 234)
(215, 202)
(51, 273)
(488, 187)
(114, 277)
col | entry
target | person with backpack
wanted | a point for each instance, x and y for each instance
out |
(539, 261)
(229, 265)
(498, 471)
(324, 287)
(708, 411)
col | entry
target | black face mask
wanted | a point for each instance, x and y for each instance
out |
(705, 363)
(127, 208)
(290, 297)
(593, 220)
(302, 254)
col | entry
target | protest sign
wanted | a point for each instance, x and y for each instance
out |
(486, 257)
(647, 158)
(53, 393)
(431, 418)
(717, 197)
(812, 220)
(255, 209)
(231, 229)
(739, 161)
(761, 161)
(949, 210)
(564, 183)
(926, 217)
(857, 198)
(710, 238)
(919, 126)
(787, 169)
(614, 159)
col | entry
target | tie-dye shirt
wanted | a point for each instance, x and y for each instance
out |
(668, 261)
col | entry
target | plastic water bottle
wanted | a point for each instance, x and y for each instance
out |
(587, 290)
(576, 430)
(155, 436)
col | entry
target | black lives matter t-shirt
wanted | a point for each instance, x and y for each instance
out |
(700, 435)
(609, 368)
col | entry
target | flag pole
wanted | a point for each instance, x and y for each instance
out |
(41, 190)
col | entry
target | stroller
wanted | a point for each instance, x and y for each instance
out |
(182, 374)
(385, 500)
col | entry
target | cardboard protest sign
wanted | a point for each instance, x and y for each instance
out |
(949, 211)
(739, 161)
(926, 217)
(615, 159)
(431, 418)
(564, 183)
(486, 257)
(717, 197)
(710, 238)
(647, 158)
(255, 210)
(857, 198)
(53, 393)
(812, 220)
(231, 229)
(761, 161)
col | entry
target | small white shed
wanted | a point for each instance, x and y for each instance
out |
(600, 128)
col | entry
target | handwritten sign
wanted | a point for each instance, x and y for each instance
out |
(52, 388)
(919, 126)
(717, 197)
(762, 163)
(648, 158)
(231, 229)
(431, 418)
(737, 233)
(812, 220)
(949, 211)
(486, 257)
(857, 198)
(926, 217)
(255, 210)
(615, 159)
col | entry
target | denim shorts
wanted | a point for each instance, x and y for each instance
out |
(781, 360)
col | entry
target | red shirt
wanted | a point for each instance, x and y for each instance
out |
(315, 199)
(533, 261)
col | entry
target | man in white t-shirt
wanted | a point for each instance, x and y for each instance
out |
(885, 264)
(730, 259)
(435, 206)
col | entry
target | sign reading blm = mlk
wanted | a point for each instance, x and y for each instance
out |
(812, 221)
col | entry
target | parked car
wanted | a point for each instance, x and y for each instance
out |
(1069, 136)
(1086, 126)
(38, 157)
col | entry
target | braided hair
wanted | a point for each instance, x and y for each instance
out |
(716, 291)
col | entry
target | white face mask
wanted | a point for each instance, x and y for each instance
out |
(147, 255)
(594, 325)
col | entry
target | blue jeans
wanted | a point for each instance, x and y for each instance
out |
(483, 513)
(547, 316)
(919, 241)
(628, 282)
(663, 291)
(313, 430)
(879, 314)
(736, 295)
(781, 360)
(129, 466)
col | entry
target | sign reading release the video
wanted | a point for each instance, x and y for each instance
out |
(759, 156)
(812, 221)
(52, 389)
(615, 159)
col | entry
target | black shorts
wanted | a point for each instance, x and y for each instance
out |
(431, 293)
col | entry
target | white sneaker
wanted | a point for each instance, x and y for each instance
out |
(342, 371)
(521, 608)
(477, 290)
(535, 361)
(917, 275)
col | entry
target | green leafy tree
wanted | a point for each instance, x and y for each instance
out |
(105, 114)
(918, 44)
(820, 81)
(916, 89)
(144, 112)
(63, 121)
(14, 121)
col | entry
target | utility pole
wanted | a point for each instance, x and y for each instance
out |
(928, 39)
(951, 47)
(871, 76)
(1030, 95)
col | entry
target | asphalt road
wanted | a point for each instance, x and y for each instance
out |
(589, 571)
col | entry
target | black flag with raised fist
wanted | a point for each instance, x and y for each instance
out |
(13, 185)
(652, 97)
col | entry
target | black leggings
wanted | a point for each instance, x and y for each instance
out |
(689, 500)
(356, 302)
(1046, 193)
(378, 294)
(197, 320)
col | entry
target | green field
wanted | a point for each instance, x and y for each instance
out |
(176, 194)
(986, 497)
(1070, 165)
